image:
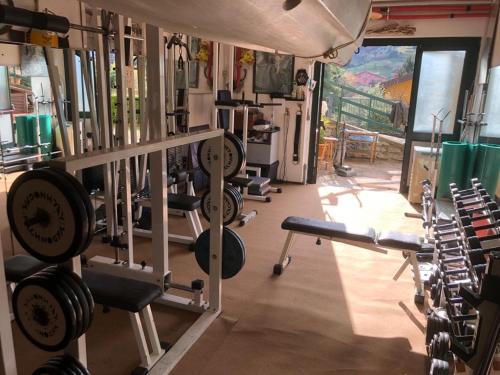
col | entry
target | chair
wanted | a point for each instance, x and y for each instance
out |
(364, 137)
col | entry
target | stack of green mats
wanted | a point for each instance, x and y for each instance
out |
(461, 161)
(488, 167)
(451, 168)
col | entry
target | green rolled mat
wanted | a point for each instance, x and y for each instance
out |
(488, 166)
(45, 122)
(26, 132)
(451, 168)
(470, 164)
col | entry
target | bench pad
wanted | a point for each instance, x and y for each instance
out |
(260, 181)
(20, 267)
(183, 202)
(405, 241)
(118, 292)
(241, 181)
(329, 229)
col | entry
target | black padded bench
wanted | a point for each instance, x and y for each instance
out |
(183, 202)
(120, 293)
(364, 237)
(20, 267)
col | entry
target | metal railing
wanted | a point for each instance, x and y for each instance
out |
(359, 108)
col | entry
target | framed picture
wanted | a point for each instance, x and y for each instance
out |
(194, 64)
(273, 73)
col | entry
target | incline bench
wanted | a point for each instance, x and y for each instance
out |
(132, 296)
(365, 237)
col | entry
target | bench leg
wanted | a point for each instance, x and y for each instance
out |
(419, 288)
(140, 338)
(194, 223)
(154, 341)
(284, 258)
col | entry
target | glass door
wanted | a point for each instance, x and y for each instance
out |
(444, 70)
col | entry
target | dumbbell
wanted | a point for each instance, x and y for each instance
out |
(474, 183)
(480, 200)
(457, 196)
(440, 367)
(468, 220)
(437, 321)
(468, 211)
(439, 346)
(470, 231)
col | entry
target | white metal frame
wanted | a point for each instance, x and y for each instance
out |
(154, 142)
(8, 358)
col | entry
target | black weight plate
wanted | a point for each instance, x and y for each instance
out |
(59, 363)
(233, 252)
(234, 156)
(44, 313)
(78, 287)
(50, 369)
(70, 278)
(89, 207)
(230, 210)
(237, 194)
(67, 362)
(47, 216)
(51, 272)
(88, 295)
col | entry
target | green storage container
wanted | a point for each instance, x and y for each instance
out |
(45, 123)
(488, 166)
(26, 133)
(470, 164)
(451, 168)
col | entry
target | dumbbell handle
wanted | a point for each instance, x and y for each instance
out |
(472, 202)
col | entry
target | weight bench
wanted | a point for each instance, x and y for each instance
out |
(188, 204)
(364, 237)
(132, 296)
(135, 297)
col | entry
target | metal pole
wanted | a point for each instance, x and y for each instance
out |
(158, 177)
(215, 78)
(230, 78)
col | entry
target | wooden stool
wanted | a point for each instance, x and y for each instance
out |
(331, 144)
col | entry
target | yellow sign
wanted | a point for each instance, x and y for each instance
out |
(43, 39)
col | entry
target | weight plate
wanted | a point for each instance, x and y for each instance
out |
(59, 363)
(78, 287)
(230, 204)
(83, 293)
(233, 252)
(51, 273)
(51, 369)
(67, 362)
(89, 207)
(44, 313)
(237, 194)
(234, 156)
(47, 216)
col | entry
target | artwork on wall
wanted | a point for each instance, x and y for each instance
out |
(33, 62)
(194, 64)
(273, 73)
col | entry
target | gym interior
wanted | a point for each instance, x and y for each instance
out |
(249, 187)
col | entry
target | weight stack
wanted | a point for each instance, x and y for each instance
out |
(488, 166)
(451, 168)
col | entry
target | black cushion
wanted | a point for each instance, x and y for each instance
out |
(405, 241)
(183, 202)
(21, 266)
(118, 292)
(329, 229)
(227, 103)
(260, 181)
(241, 181)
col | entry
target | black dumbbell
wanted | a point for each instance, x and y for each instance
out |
(480, 199)
(467, 220)
(470, 231)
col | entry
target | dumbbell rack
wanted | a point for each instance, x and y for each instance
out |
(464, 322)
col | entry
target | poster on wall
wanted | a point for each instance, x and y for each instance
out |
(273, 73)
(33, 62)
(194, 64)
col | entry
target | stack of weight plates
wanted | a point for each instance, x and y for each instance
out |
(232, 204)
(62, 365)
(234, 155)
(52, 308)
(50, 214)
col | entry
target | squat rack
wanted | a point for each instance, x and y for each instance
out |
(154, 141)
